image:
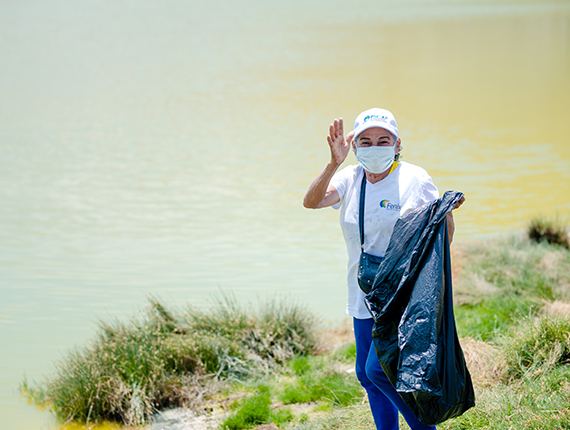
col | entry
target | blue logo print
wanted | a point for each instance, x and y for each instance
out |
(382, 118)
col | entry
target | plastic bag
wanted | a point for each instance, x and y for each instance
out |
(412, 305)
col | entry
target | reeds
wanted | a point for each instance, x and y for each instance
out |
(133, 369)
(550, 230)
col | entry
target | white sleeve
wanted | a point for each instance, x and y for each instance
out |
(429, 191)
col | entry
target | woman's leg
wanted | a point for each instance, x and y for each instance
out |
(378, 377)
(384, 413)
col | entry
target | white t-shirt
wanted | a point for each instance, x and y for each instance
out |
(407, 187)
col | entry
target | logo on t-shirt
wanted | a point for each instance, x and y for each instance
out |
(390, 206)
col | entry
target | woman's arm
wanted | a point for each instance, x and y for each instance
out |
(320, 193)
(450, 222)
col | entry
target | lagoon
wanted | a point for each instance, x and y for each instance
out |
(163, 149)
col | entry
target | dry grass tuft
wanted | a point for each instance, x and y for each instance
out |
(556, 308)
(482, 361)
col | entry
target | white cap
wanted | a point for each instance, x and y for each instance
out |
(375, 117)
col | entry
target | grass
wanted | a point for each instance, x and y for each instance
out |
(497, 283)
(536, 346)
(513, 314)
(317, 379)
(249, 412)
(164, 360)
(274, 366)
(256, 410)
(521, 382)
(320, 381)
(529, 382)
(530, 403)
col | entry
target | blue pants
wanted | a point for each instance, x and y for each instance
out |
(385, 402)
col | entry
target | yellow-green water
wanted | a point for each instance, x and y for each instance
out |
(164, 147)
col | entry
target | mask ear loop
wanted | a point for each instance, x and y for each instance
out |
(398, 156)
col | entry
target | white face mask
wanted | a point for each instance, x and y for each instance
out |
(375, 159)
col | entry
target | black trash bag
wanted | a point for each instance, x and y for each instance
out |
(414, 330)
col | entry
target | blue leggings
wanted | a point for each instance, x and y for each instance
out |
(385, 402)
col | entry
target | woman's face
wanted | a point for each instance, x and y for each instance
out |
(376, 136)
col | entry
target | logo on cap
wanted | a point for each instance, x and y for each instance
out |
(383, 118)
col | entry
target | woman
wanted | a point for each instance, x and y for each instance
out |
(392, 189)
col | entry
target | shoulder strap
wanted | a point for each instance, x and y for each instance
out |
(361, 210)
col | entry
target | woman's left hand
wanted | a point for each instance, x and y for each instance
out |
(459, 203)
(451, 222)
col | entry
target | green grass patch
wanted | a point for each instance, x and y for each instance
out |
(318, 381)
(536, 346)
(252, 411)
(484, 319)
(346, 353)
(301, 365)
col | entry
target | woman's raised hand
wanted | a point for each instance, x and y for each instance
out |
(338, 144)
